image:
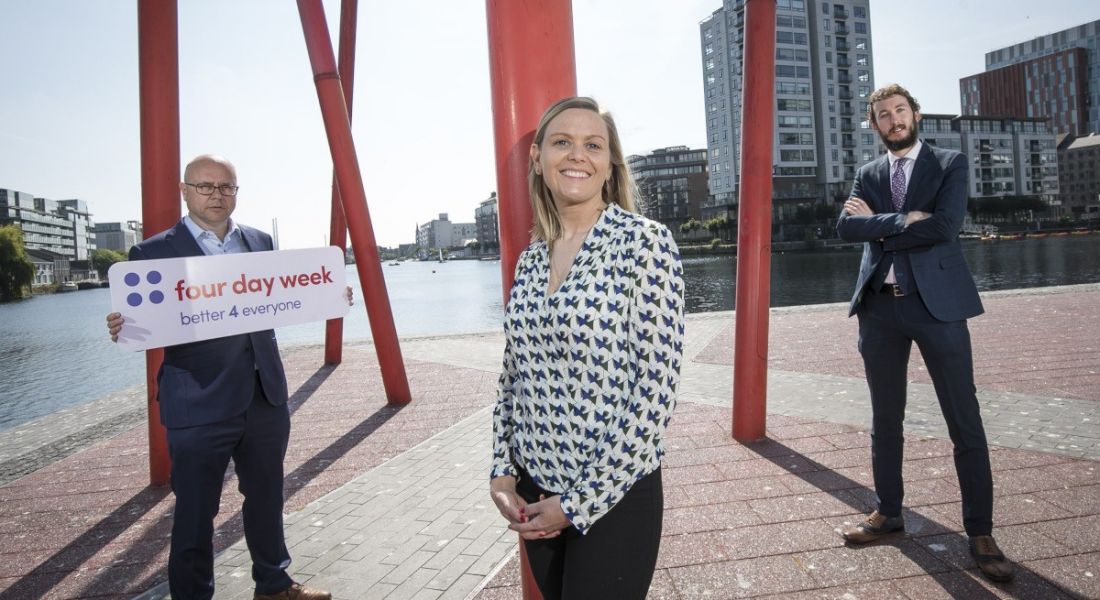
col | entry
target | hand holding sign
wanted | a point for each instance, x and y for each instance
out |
(173, 301)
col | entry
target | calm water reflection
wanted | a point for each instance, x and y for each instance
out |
(55, 353)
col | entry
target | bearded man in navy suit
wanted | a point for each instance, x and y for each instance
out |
(907, 208)
(220, 399)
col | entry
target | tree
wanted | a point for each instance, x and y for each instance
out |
(16, 270)
(690, 225)
(102, 259)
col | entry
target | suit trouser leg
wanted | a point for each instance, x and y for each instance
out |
(946, 349)
(885, 349)
(199, 456)
(258, 461)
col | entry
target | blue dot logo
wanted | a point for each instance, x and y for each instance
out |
(134, 279)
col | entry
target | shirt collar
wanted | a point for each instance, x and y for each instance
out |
(911, 154)
(198, 232)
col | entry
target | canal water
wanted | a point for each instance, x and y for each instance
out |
(54, 351)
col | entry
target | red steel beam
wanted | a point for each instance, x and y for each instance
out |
(353, 198)
(338, 227)
(524, 84)
(158, 85)
(750, 356)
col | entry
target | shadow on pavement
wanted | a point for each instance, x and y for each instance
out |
(960, 579)
(40, 582)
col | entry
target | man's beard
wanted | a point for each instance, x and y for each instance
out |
(898, 145)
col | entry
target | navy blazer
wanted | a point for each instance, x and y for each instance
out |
(212, 380)
(939, 186)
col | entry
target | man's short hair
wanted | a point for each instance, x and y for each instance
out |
(885, 92)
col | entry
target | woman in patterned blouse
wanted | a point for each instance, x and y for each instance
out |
(594, 335)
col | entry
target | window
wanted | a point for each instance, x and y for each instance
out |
(709, 49)
(859, 12)
(710, 63)
(828, 57)
(867, 139)
(861, 27)
(828, 41)
(825, 8)
(785, 104)
(861, 60)
(861, 43)
(864, 76)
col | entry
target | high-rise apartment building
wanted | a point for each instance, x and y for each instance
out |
(1056, 76)
(1008, 157)
(823, 76)
(672, 185)
(485, 215)
(1079, 176)
(117, 236)
(1051, 86)
(60, 226)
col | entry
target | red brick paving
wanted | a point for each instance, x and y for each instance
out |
(89, 525)
(1040, 344)
(768, 527)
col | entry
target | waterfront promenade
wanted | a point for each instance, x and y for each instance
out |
(391, 503)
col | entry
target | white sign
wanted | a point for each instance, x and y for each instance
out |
(176, 300)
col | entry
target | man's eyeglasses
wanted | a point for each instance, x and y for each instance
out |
(207, 189)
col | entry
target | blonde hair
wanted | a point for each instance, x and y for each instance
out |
(619, 189)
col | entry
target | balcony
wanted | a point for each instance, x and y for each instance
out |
(844, 78)
(839, 12)
(848, 143)
(846, 110)
(841, 29)
(845, 94)
(842, 46)
(843, 62)
(847, 126)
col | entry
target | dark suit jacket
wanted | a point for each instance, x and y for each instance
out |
(928, 249)
(212, 380)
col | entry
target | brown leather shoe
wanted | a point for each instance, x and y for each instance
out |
(990, 559)
(296, 591)
(872, 528)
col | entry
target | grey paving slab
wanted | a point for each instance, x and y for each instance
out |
(390, 551)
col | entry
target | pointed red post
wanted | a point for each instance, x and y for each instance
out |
(524, 84)
(158, 84)
(754, 217)
(353, 198)
(338, 227)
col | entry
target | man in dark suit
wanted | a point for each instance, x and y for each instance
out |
(907, 208)
(220, 399)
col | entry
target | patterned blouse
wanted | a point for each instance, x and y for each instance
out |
(590, 371)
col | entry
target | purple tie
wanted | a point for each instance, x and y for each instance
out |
(897, 184)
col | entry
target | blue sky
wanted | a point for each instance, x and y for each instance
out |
(422, 115)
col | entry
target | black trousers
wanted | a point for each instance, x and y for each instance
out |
(617, 556)
(888, 326)
(256, 440)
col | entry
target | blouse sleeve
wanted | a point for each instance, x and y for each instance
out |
(502, 419)
(655, 343)
(503, 425)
